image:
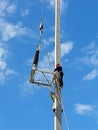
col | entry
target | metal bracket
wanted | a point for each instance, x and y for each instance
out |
(40, 83)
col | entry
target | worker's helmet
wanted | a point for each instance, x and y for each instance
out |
(57, 65)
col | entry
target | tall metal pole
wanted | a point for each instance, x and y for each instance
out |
(57, 103)
(57, 32)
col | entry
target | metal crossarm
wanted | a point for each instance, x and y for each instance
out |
(33, 79)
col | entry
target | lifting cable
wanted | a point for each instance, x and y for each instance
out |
(49, 60)
(41, 9)
(41, 29)
(41, 20)
(66, 121)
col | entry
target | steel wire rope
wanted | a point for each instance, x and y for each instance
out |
(41, 9)
(65, 117)
(41, 19)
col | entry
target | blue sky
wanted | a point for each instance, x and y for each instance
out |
(24, 106)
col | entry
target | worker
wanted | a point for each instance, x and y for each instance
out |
(59, 69)
(52, 95)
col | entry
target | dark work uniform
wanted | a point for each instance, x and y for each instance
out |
(59, 69)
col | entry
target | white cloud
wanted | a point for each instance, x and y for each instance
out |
(9, 31)
(94, 58)
(2, 52)
(91, 58)
(52, 3)
(64, 5)
(49, 41)
(25, 12)
(91, 55)
(66, 48)
(11, 8)
(4, 69)
(89, 48)
(28, 88)
(2, 65)
(93, 74)
(10, 72)
(3, 5)
(6, 8)
(83, 109)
